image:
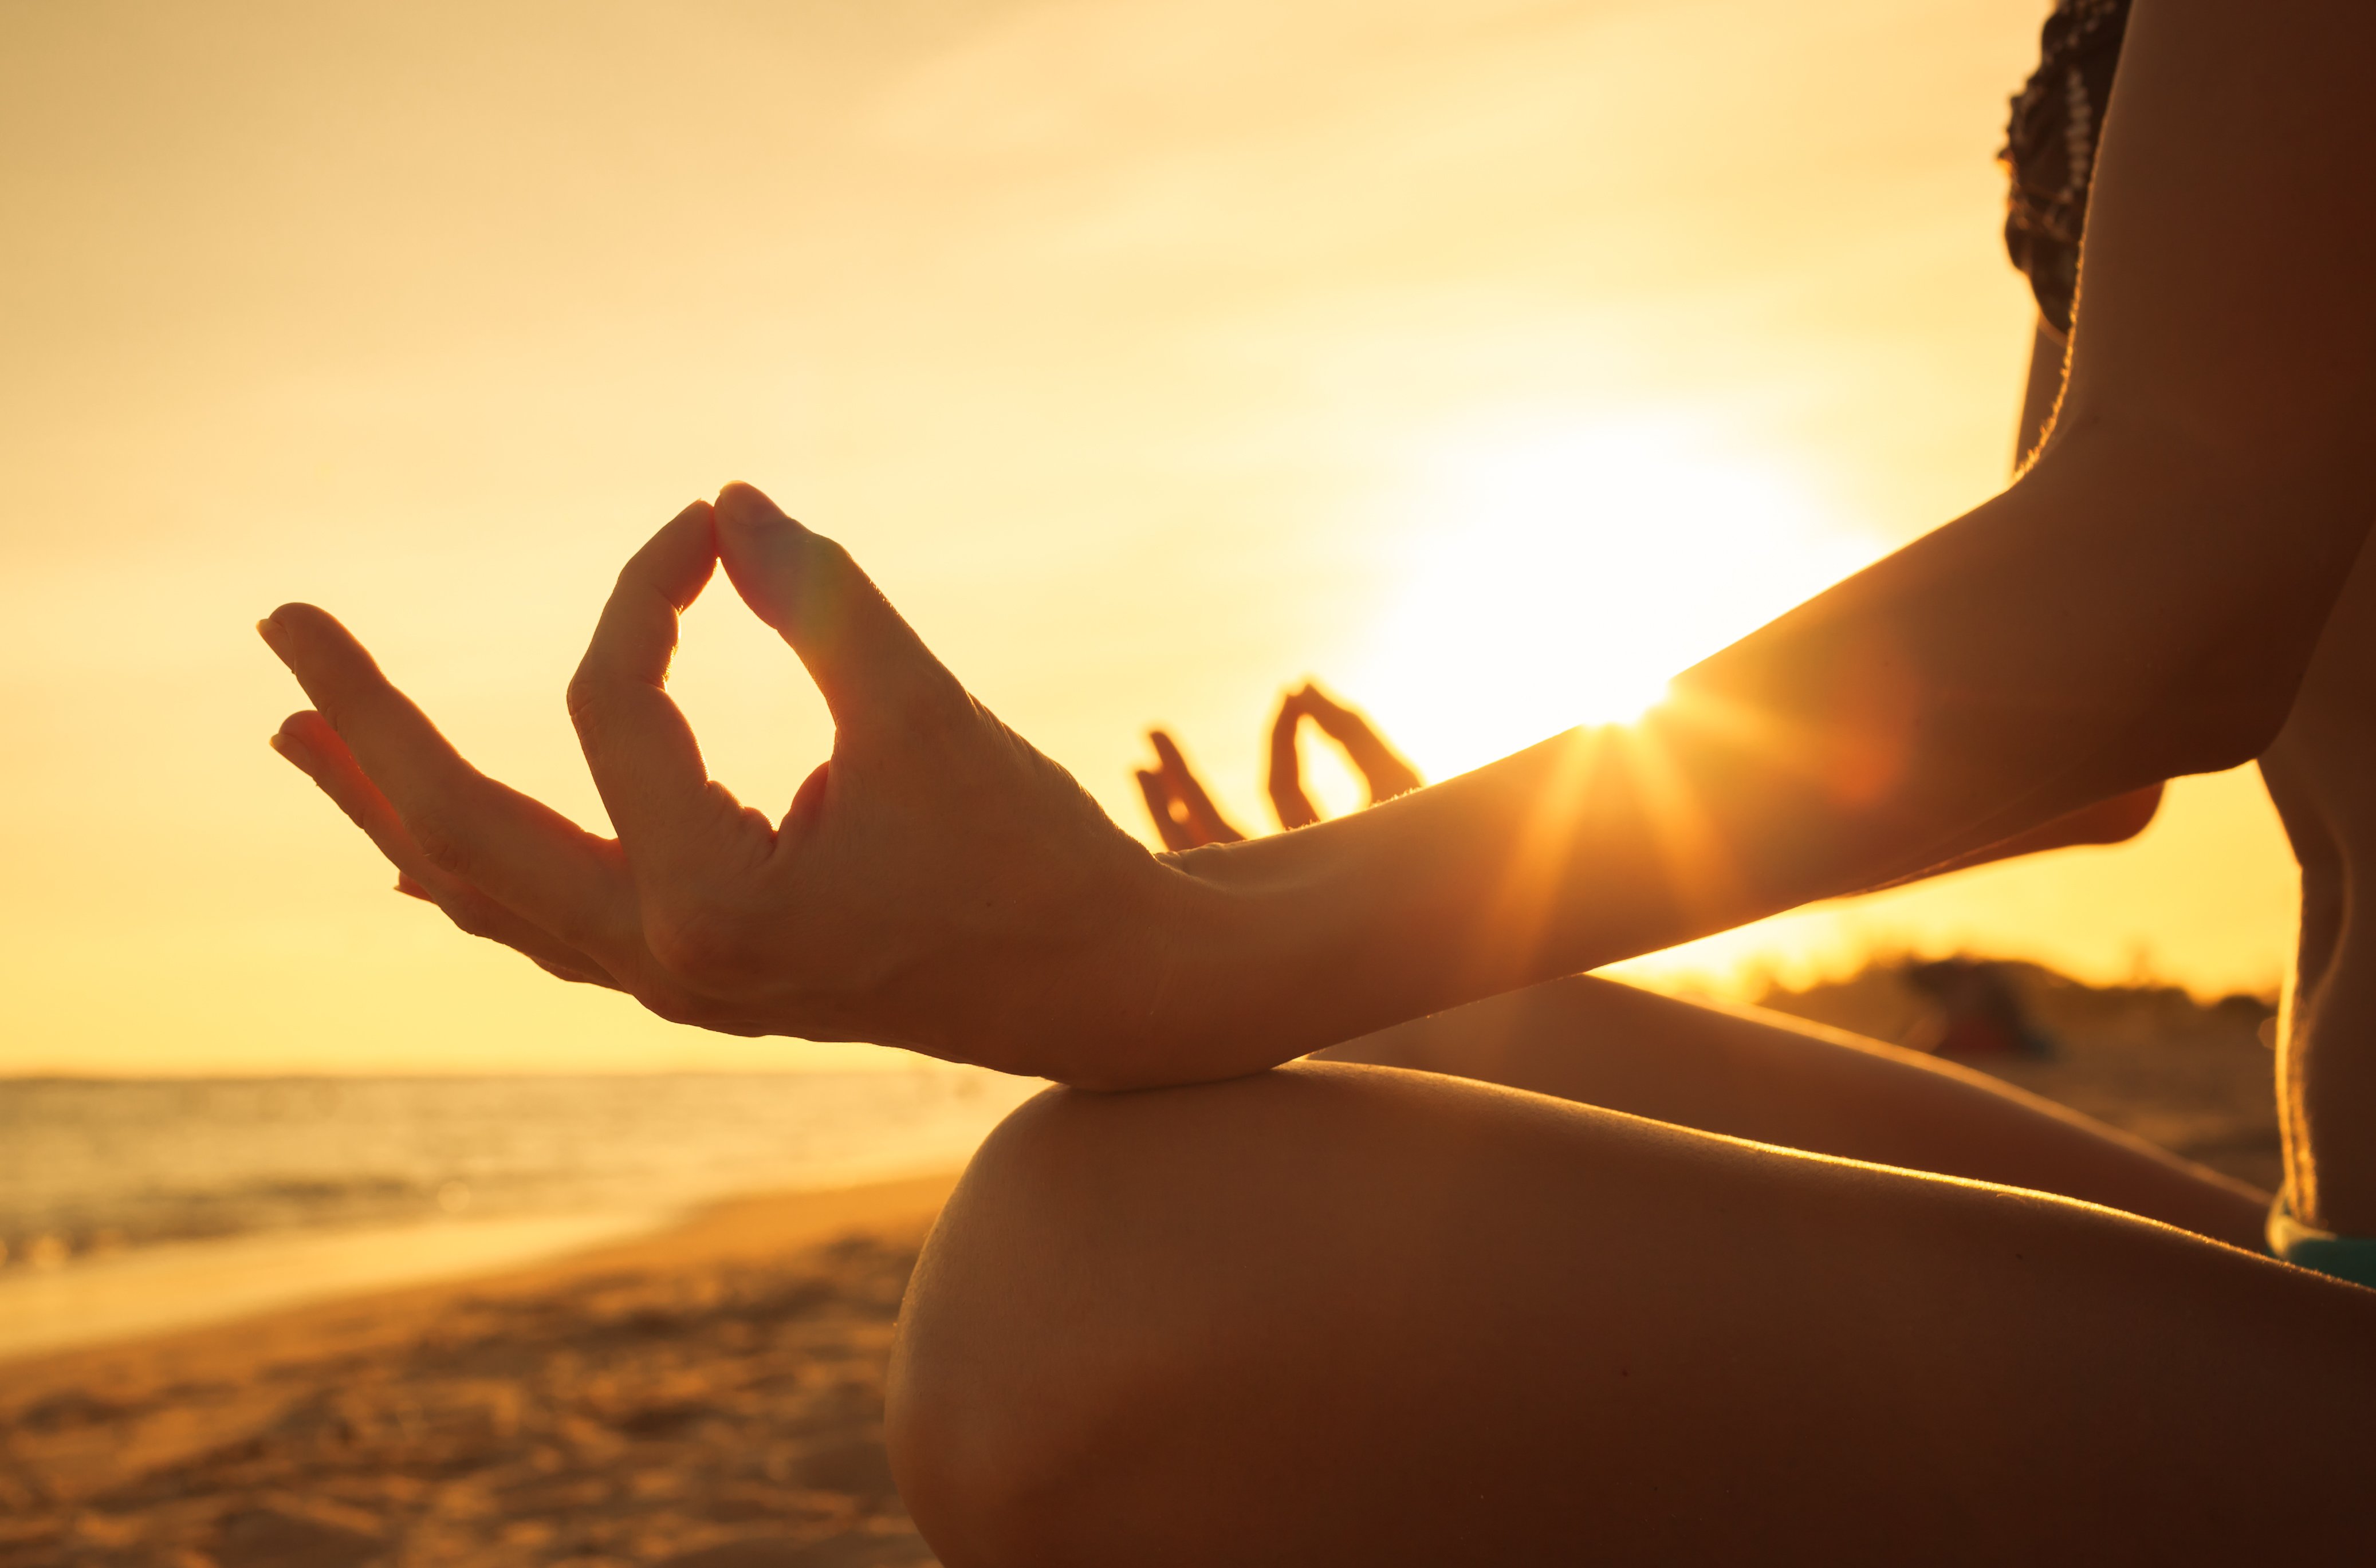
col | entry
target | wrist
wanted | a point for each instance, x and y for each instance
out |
(1258, 958)
(1179, 975)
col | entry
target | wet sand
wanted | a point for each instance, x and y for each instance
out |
(706, 1397)
(177, 1285)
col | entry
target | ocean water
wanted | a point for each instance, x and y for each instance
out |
(131, 1205)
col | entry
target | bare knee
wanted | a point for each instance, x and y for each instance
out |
(1103, 1320)
(1018, 1357)
(1350, 1313)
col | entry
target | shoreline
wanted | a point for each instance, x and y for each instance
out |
(166, 1287)
(172, 1285)
(706, 1394)
(748, 1228)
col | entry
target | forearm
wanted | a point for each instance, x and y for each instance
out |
(2107, 822)
(2100, 626)
(2140, 604)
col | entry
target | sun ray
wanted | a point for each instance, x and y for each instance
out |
(1559, 567)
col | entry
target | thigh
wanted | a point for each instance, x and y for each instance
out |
(1750, 1074)
(1350, 1314)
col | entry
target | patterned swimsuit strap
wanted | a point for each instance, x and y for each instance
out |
(2050, 149)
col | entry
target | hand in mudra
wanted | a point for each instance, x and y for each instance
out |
(937, 883)
(1184, 815)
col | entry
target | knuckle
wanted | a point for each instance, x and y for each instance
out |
(705, 947)
(582, 698)
(934, 707)
(443, 839)
(831, 553)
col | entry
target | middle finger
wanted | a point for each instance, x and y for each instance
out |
(310, 746)
(521, 854)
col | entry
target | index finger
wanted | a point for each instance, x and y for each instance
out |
(642, 753)
(1287, 802)
(1381, 767)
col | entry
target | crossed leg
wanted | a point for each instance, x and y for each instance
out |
(1750, 1074)
(1353, 1313)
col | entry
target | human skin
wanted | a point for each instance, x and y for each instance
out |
(1742, 1072)
(1353, 1314)
(1745, 1073)
(2048, 617)
(1184, 815)
(1342, 1322)
(1343, 1313)
(2321, 775)
(2140, 603)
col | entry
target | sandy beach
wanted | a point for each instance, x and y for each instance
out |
(709, 1397)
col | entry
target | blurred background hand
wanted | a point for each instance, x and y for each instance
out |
(1184, 813)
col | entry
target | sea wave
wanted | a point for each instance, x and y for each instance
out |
(89, 1168)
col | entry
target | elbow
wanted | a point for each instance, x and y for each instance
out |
(2224, 722)
(2227, 705)
(2131, 814)
(2120, 819)
(2224, 597)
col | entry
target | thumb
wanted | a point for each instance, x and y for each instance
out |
(857, 649)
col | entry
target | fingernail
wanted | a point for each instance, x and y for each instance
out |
(293, 751)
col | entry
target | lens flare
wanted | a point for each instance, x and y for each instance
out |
(1559, 569)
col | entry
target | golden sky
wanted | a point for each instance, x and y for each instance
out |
(1487, 361)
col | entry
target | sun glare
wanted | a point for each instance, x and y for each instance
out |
(1559, 570)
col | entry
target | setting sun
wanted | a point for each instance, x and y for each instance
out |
(1151, 357)
(1181, 781)
(1559, 568)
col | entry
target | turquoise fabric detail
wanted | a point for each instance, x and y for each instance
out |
(2306, 1246)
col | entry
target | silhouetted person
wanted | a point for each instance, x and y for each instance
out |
(1528, 1268)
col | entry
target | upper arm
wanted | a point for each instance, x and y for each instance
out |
(2160, 572)
(2143, 600)
(2231, 234)
(2222, 353)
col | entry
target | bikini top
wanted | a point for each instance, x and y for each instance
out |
(2050, 147)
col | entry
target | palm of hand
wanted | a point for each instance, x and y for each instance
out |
(938, 883)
